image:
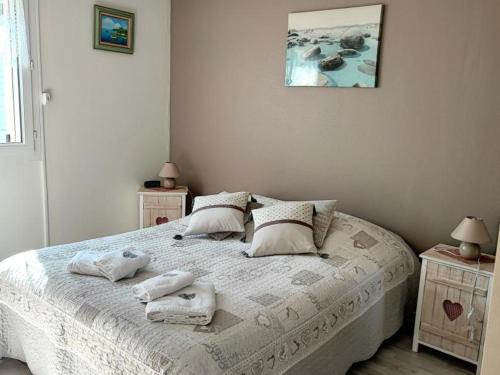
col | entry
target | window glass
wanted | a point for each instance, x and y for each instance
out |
(14, 69)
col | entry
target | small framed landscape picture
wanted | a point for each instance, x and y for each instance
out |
(334, 48)
(113, 30)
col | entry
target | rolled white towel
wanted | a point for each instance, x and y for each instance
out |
(162, 285)
(121, 263)
(194, 304)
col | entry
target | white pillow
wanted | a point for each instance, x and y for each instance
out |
(247, 219)
(325, 213)
(283, 229)
(218, 213)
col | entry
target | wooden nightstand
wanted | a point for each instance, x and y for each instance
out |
(159, 206)
(444, 299)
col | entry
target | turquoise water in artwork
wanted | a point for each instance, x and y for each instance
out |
(114, 30)
(356, 70)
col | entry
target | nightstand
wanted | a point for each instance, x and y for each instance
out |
(159, 205)
(449, 286)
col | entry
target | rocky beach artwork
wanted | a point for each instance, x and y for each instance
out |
(334, 48)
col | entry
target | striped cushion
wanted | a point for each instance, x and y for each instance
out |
(247, 219)
(283, 229)
(218, 213)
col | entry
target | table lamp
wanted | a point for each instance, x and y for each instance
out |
(472, 232)
(169, 172)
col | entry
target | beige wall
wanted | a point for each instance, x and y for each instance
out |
(107, 127)
(491, 359)
(415, 155)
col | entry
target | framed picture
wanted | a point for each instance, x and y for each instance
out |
(113, 30)
(334, 48)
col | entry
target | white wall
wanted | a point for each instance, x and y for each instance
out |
(21, 213)
(107, 127)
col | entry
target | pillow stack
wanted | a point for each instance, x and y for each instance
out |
(280, 227)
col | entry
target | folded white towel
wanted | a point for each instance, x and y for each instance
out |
(84, 263)
(194, 304)
(162, 285)
(121, 263)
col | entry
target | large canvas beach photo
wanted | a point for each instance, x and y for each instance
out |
(334, 48)
(114, 30)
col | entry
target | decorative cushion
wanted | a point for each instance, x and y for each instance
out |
(325, 213)
(218, 213)
(247, 219)
(283, 229)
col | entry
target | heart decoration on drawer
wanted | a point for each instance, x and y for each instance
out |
(161, 220)
(452, 310)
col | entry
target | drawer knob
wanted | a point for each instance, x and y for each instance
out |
(161, 220)
(452, 310)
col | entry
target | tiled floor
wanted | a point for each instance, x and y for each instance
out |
(394, 358)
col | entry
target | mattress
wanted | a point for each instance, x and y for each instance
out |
(274, 315)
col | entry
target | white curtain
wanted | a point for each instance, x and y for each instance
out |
(18, 32)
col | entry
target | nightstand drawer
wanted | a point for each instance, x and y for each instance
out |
(445, 306)
(160, 206)
(159, 202)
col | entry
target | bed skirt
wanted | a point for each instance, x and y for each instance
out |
(357, 341)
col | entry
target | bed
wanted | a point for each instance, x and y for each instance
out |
(280, 314)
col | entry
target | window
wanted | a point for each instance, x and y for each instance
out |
(17, 115)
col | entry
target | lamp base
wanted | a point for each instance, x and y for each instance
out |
(469, 250)
(169, 183)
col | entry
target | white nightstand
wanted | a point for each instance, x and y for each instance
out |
(448, 287)
(160, 205)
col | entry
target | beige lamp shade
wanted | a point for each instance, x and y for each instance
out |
(169, 170)
(472, 230)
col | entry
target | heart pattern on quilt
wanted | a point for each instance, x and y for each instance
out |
(258, 367)
(262, 320)
(161, 220)
(452, 310)
(271, 361)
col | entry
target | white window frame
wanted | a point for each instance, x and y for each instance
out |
(31, 147)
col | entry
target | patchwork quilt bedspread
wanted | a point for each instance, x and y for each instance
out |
(271, 312)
